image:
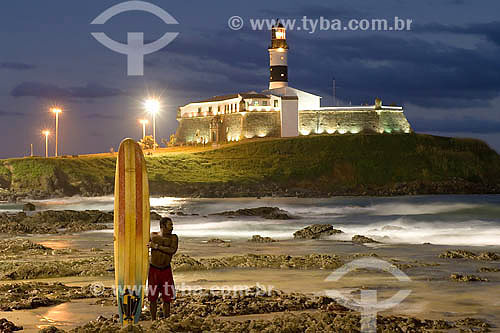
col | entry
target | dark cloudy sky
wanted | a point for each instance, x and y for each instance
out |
(446, 71)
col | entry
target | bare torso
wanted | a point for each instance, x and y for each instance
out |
(163, 247)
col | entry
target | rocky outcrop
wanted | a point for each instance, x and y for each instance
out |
(216, 241)
(467, 278)
(155, 216)
(22, 247)
(260, 239)
(211, 311)
(53, 222)
(316, 231)
(463, 254)
(488, 269)
(359, 239)
(271, 213)
(182, 262)
(21, 296)
(50, 267)
(29, 207)
(8, 326)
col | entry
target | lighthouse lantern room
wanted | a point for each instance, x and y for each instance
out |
(278, 57)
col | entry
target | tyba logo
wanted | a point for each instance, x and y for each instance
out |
(368, 304)
(135, 49)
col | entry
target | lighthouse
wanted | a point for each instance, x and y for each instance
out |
(278, 57)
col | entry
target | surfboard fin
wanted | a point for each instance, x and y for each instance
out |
(129, 307)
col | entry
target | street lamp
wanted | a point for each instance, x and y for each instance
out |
(46, 133)
(56, 111)
(152, 105)
(144, 122)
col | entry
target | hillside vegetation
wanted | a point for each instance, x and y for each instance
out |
(310, 166)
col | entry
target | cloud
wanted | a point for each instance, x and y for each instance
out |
(16, 66)
(399, 69)
(50, 91)
(490, 30)
(11, 114)
(452, 125)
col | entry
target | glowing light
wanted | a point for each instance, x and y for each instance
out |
(342, 131)
(46, 133)
(280, 49)
(143, 123)
(152, 105)
(305, 132)
(355, 131)
(280, 34)
(330, 131)
(56, 110)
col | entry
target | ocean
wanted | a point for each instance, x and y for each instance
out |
(472, 220)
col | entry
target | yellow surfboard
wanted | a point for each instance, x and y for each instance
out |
(131, 231)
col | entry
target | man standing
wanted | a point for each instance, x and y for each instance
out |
(163, 247)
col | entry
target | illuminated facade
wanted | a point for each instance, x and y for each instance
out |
(280, 111)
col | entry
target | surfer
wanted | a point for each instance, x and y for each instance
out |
(163, 246)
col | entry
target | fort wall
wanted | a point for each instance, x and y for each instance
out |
(241, 125)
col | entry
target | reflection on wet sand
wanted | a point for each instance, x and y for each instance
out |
(64, 316)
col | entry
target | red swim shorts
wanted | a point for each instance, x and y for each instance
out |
(161, 280)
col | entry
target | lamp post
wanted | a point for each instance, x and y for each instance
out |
(152, 105)
(56, 111)
(144, 122)
(46, 133)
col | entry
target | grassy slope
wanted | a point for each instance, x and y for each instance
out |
(320, 162)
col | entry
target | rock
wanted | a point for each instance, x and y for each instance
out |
(182, 262)
(489, 256)
(260, 239)
(51, 329)
(18, 246)
(21, 296)
(53, 222)
(359, 239)
(216, 240)
(91, 266)
(458, 254)
(155, 216)
(270, 213)
(316, 231)
(8, 326)
(467, 278)
(29, 207)
(209, 311)
(488, 269)
(463, 254)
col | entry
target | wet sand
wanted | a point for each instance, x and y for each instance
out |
(434, 295)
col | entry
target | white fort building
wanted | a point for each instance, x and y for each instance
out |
(280, 111)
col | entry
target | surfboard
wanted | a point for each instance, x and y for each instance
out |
(131, 231)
